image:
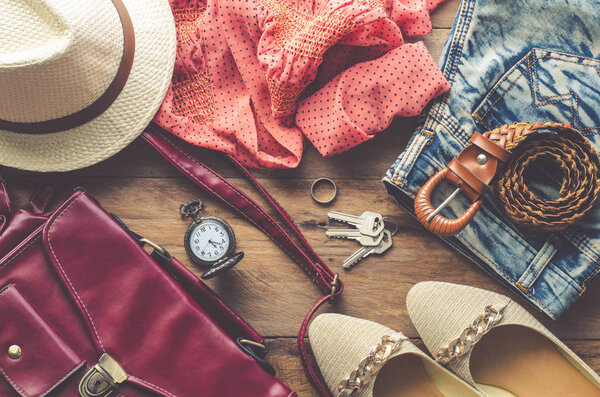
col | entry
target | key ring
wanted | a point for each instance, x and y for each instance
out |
(321, 181)
(396, 227)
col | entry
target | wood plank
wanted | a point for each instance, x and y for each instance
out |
(271, 292)
(289, 368)
(443, 16)
(434, 41)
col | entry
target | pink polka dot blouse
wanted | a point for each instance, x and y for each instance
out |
(255, 78)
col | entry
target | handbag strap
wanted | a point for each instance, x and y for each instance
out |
(298, 249)
(38, 202)
(5, 210)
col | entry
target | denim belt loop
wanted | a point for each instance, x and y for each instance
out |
(535, 268)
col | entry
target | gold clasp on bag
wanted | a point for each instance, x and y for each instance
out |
(152, 244)
(103, 379)
(261, 346)
(334, 285)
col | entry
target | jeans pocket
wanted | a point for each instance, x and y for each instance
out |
(545, 85)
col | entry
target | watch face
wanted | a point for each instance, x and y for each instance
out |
(210, 240)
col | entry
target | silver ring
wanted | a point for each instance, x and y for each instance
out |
(321, 181)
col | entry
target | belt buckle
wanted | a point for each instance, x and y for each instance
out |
(103, 379)
(472, 172)
(430, 217)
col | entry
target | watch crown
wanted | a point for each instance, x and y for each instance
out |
(191, 209)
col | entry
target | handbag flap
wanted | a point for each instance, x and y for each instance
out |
(33, 358)
(139, 315)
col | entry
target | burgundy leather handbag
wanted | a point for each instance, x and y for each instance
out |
(86, 310)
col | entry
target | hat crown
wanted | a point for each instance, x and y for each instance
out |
(57, 57)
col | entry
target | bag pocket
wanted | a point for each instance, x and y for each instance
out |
(34, 359)
(545, 85)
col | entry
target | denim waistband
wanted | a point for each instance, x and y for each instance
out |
(515, 60)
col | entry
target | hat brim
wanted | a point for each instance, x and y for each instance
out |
(124, 120)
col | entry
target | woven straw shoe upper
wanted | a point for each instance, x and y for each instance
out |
(340, 342)
(442, 311)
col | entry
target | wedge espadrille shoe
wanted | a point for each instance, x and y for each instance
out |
(495, 345)
(361, 358)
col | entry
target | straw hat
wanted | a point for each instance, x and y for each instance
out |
(79, 80)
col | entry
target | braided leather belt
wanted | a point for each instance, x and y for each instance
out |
(501, 156)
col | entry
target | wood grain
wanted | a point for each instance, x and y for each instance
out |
(443, 16)
(267, 288)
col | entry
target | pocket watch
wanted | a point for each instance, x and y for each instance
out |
(209, 241)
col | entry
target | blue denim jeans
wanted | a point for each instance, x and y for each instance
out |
(507, 61)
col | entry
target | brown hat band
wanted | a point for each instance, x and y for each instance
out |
(103, 102)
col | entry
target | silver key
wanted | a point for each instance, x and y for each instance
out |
(363, 252)
(355, 234)
(369, 223)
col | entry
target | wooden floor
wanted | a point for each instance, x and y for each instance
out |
(267, 288)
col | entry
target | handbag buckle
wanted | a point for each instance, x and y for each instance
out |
(154, 246)
(103, 379)
(257, 351)
(335, 284)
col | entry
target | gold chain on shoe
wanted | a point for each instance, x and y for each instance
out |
(370, 365)
(470, 336)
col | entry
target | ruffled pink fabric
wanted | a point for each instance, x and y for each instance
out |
(293, 41)
(364, 99)
(243, 65)
(412, 16)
